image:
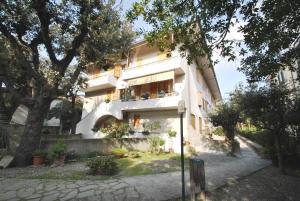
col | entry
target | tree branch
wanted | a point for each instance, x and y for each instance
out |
(14, 92)
(18, 48)
(78, 40)
(44, 17)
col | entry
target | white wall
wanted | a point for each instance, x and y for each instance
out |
(20, 116)
(169, 119)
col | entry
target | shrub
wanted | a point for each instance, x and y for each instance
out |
(115, 129)
(102, 165)
(40, 152)
(58, 150)
(218, 131)
(134, 154)
(120, 153)
(72, 156)
(172, 133)
(93, 154)
(192, 151)
(149, 127)
(155, 144)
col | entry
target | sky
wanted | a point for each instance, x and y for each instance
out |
(227, 74)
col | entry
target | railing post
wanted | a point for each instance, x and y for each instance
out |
(197, 179)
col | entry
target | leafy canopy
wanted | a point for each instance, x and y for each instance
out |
(197, 26)
(271, 30)
(46, 37)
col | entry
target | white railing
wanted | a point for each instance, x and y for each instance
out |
(104, 79)
(167, 64)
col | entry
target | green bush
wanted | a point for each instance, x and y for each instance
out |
(72, 156)
(172, 133)
(120, 153)
(192, 151)
(58, 150)
(262, 137)
(218, 131)
(40, 152)
(133, 154)
(102, 165)
(155, 144)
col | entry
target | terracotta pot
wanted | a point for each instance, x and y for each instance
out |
(59, 161)
(38, 160)
(171, 150)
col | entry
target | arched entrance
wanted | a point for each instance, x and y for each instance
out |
(105, 121)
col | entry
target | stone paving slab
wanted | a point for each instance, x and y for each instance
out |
(220, 169)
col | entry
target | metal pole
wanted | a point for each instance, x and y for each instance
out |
(182, 157)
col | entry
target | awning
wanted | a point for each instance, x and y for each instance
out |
(152, 78)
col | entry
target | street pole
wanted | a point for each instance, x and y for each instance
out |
(181, 110)
(182, 157)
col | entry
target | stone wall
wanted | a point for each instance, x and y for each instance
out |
(85, 146)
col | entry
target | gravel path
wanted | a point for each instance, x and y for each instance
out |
(265, 185)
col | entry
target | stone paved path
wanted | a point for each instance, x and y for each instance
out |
(220, 169)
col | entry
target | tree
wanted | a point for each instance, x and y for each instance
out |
(226, 115)
(8, 102)
(68, 114)
(198, 27)
(273, 108)
(271, 30)
(46, 37)
(271, 37)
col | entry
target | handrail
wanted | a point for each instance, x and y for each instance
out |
(144, 65)
(91, 77)
(170, 94)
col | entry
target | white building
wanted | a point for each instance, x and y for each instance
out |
(121, 93)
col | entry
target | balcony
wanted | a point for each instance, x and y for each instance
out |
(169, 101)
(104, 81)
(169, 64)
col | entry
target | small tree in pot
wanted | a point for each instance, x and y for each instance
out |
(172, 134)
(38, 158)
(58, 152)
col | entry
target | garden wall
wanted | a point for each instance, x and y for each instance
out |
(74, 143)
(85, 146)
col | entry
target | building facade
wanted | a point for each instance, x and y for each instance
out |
(145, 89)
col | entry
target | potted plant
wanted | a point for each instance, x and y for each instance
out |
(107, 100)
(145, 129)
(39, 156)
(145, 96)
(131, 131)
(172, 134)
(58, 152)
(161, 94)
(118, 152)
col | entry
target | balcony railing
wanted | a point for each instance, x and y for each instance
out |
(102, 81)
(159, 95)
(168, 64)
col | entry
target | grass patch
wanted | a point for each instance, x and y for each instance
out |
(147, 163)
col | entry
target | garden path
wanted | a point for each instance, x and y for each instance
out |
(220, 169)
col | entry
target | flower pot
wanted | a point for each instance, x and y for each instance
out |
(38, 161)
(145, 132)
(171, 150)
(59, 161)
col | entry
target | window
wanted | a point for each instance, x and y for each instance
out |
(193, 121)
(136, 120)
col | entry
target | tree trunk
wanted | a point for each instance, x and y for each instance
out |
(31, 137)
(279, 153)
